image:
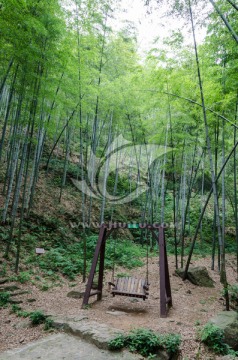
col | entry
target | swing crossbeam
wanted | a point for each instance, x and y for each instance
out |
(122, 287)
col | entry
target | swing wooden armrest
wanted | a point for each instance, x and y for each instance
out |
(110, 283)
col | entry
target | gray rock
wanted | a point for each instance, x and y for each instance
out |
(198, 276)
(91, 331)
(228, 321)
(75, 294)
(61, 322)
(24, 324)
(116, 313)
(134, 300)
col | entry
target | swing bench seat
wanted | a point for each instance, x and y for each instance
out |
(130, 286)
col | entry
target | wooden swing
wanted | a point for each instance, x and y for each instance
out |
(130, 286)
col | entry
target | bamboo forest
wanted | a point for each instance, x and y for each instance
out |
(118, 179)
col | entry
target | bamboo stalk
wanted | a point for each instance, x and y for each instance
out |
(223, 278)
(228, 25)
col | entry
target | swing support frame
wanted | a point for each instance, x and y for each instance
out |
(99, 255)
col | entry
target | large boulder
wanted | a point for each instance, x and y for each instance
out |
(197, 276)
(228, 322)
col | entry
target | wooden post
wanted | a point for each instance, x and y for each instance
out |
(167, 279)
(101, 266)
(163, 311)
(101, 238)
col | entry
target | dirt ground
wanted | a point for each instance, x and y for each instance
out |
(192, 307)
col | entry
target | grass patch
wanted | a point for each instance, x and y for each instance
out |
(19, 312)
(22, 277)
(37, 317)
(4, 299)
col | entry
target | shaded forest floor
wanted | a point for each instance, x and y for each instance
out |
(192, 307)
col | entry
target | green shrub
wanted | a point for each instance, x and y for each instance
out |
(3, 270)
(122, 274)
(23, 277)
(44, 287)
(118, 342)
(146, 342)
(143, 341)
(37, 317)
(171, 342)
(23, 313)
(4, 299)
(233, 291)
(15, 308)
(48, 324)
(213, 337)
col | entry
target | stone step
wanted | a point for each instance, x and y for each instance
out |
(91, 331)
(62, 347)
(98, 334)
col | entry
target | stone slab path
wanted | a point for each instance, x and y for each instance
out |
(81, 340)
(64, 347)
